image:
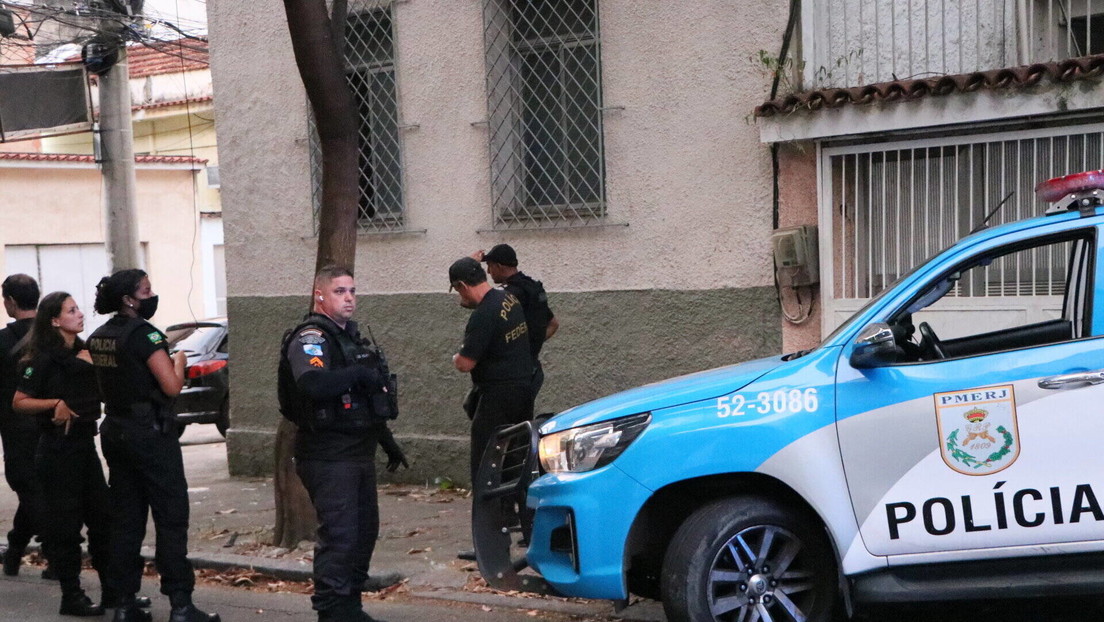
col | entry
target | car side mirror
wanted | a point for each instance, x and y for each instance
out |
(875, 347)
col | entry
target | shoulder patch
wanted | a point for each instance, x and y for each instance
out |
(312, 349)
(311, 336)
(316, 362)
(27, 373)
(155, 337)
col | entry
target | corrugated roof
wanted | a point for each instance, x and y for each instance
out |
(88, 159)
(1084, 68)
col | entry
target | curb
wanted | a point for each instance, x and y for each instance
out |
(278, 569)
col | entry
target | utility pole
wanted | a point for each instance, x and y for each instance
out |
(117, 142)
(117, 158)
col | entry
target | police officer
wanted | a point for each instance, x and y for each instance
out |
(502, 267)
(495, 352)
(137, 379)
(58, 388)
(348, 403)
(18, 433)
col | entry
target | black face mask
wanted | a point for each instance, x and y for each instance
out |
(147, 307)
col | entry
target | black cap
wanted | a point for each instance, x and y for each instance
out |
(466, 269)
(503, 254)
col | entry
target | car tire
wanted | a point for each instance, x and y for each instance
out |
(709, 572)
(223, 422)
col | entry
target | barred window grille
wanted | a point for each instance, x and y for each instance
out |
(544, 112)
(369, 52)
(895, 208)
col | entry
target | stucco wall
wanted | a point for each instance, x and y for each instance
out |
(610, 341)
(680, 281)
(797, 205)
(62, 205)
(685, 171)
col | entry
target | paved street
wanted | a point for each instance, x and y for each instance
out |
(31, 599)
(418, 540)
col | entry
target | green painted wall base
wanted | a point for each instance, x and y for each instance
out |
(608, 342)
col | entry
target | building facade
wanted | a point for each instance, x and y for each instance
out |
(54, 217)
(608, 141)
(913, 124)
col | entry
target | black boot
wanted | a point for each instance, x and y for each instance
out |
(77, 603)
(131, 613)
(110, 600)
(12, 558)
(189, 613)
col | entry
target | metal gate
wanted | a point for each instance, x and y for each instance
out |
(886, 208)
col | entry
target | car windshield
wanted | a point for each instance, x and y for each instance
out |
(191, 338)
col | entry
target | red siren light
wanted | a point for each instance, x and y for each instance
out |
(1058, 188)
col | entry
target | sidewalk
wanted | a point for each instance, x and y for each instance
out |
(421, 530)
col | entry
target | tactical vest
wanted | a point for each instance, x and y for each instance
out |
(352, 411)
(126, 384)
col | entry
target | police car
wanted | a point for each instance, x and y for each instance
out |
(889, 464)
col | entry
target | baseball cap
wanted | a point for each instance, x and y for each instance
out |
(503, 254)
(465, 269)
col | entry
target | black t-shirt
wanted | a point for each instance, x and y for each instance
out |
(534, 301)
(10, 336)
(312, 349)
(61, 375)
(496, 338)
(123, 373)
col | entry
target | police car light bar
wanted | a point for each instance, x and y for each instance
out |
(1077, 191)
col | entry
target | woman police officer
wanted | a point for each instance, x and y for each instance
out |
(137, 380)
(58, 386)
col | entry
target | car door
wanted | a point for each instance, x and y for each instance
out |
(995, 443)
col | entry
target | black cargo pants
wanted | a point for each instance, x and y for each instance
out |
(74, 494)
(492, 406)
(344, 498)
(146, 475)
(20, 443)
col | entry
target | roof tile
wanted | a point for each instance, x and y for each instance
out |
(89, 159)
(1073, 69)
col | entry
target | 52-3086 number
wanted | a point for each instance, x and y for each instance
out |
(767, 402)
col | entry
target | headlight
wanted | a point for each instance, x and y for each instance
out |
(589, 447)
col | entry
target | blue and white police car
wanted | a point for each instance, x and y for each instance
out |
(886, 465)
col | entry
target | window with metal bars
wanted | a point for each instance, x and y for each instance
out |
(369, 52)
(544, 112)
(894, 208)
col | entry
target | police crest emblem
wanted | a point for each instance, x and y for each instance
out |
(978, 430)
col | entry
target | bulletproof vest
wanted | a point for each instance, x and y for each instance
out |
(354, 410)
(534, 300)
(19, 333)
(124, 381)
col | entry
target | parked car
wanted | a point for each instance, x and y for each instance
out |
(888, 464)
(205, 396)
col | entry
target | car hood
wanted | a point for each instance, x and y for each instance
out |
(664, 394)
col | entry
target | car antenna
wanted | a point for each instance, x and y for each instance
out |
(985, 221)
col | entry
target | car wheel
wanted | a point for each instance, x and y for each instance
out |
(223, 422)
(747, 559)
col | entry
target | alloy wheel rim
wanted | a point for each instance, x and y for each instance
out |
(760, 575)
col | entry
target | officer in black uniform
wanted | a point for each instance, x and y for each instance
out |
(18, 433)
(348, 403)
(496, 353)
(137, 380)
(58, 388)
(502, 267)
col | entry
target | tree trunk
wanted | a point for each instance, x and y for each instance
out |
(321, 67)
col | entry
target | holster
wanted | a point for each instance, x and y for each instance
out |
(153, 415)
